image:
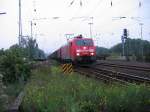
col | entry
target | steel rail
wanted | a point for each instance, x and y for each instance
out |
(108, 75)
(101, 76)
(140, 68)
(124, 76)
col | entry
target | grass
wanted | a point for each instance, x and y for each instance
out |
(14, 89)
(51, 91)
(8, 94)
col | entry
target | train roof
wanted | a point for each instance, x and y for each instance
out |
(80, 37)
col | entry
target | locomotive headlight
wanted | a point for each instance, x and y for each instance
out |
(78, 50)
(78, 54)
(92, 54)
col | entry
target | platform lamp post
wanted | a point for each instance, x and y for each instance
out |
(20, 24)
(141, 35)
(91, 23)
(31, 24)
(90, 29)
(97, 36)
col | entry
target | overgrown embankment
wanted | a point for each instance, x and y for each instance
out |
(51, 91)
(15, 69)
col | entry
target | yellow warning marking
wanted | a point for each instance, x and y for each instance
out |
(67, 68)
(63, 66)
(70, 71)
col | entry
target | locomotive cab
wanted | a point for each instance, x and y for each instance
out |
(84, 49)
(78, 49)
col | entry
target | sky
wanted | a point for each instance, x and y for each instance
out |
(56, 18)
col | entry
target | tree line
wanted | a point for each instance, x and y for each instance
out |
(134, 48)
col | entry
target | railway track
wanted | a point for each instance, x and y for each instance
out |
(111, 75)
(133, 67)
(100, 76)
(136, 69)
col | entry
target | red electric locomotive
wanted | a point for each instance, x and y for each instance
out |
(78, 49)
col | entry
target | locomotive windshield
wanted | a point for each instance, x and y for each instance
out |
(84, 42)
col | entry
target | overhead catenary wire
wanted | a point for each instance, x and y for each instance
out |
(81, 3)
(71, 3)
(100, 3)
(75, 17)
(93, 9)
(90, 16)
(2, 13)
(130, 10)
(113, 4)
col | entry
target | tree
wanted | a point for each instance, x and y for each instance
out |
(102, 53)
(2, 52)
(15, 61)
(134, 49)
(32, 49)
(13, 65)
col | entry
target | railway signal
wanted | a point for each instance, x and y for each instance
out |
(125, 44)
(125, 33)
(123, 41)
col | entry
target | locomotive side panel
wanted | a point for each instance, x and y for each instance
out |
(65, 53)
(59, 54)
(72, 50)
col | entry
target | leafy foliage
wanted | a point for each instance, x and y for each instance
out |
(102, 52)
(13, 65)
(15, 61)
(117, 49)
(134, 48)
(2, 52)
(32, 50)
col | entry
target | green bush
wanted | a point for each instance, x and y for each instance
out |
(13, 66)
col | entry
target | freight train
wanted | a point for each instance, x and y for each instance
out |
(78, 49)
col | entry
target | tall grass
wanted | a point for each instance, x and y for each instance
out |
(51, 91)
